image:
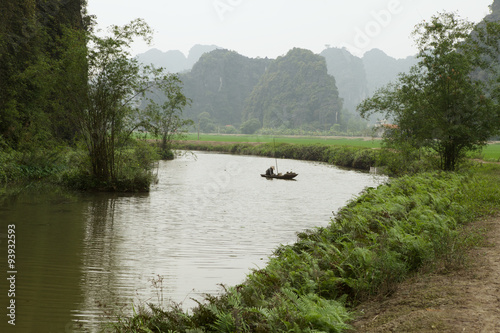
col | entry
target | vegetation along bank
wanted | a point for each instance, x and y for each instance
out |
(385, 235)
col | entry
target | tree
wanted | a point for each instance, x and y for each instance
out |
(108, 113)
(439, 105)
(206, 123)
(250, 126)
(165, 120)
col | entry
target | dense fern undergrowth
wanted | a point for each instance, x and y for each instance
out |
(413, 223)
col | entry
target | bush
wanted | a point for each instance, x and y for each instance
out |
(229, 129)
(31, 165)
(250, 126)
(134, 171)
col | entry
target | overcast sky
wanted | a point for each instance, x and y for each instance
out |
(269, 28)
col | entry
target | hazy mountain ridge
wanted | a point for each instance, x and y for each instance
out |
(356, 78)
(233, 88)
(174, 61)
(350, 75)
(382, 69)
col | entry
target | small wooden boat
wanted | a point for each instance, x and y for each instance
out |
(288, 175)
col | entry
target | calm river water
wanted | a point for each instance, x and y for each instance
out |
(209, 220)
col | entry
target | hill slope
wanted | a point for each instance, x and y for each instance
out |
(219, 84)
(294, 91)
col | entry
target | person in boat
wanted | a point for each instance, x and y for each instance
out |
(270, 171)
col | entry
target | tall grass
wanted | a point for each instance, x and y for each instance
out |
(377, 240)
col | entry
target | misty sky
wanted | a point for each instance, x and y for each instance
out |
(269, 28)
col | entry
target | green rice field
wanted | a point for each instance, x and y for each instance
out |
(489, 153)
(331, 140)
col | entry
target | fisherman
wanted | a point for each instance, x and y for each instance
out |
(270, 171)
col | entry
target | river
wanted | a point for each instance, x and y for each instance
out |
(81, 258)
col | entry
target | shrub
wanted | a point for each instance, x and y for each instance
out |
(134, 170)
(250, 126)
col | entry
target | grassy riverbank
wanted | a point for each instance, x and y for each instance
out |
(70, 165)
(489, 153)
(379, 239)
(360, 158)
(366, 142)
(215, 142)
(345, 156)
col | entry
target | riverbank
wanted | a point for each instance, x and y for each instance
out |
(461, 300)
(383, 237)
(490, 153)
(71, 167)
(359, 158)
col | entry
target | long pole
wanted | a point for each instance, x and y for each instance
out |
(276, 160)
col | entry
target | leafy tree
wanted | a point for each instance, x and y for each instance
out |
(229, 129)
(107, 113)
(439, 105)
(250, 126)
(206, 123)
(165, 120)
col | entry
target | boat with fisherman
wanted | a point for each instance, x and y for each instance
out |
(270, 172)
(288, 175)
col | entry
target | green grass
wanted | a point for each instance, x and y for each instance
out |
(357, 142)
(492, 152)
(489, 153)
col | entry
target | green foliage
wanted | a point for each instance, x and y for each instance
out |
(439, 105)
(165, 120)
(104, 113)
(206, 123)
(135, 172)
(219, 83)
(229, 129)
(250, 126)
(105, 107)
(30, 47)
(294, 91)
(31, 165)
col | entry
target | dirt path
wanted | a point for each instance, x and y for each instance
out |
(465, 300)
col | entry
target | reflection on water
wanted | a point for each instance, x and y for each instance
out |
(209, 220)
